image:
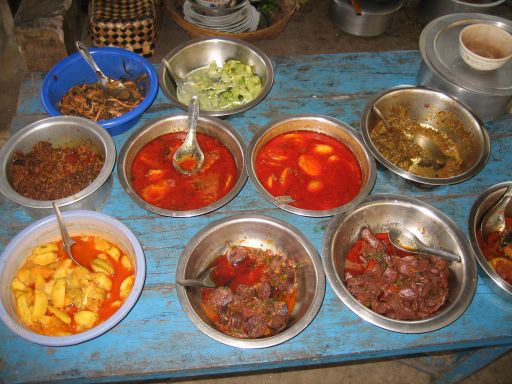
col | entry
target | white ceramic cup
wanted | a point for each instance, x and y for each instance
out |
(485, 46)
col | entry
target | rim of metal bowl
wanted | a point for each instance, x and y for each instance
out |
(445, 316)
(146, 129)
(162, 74)
(431, 181)
(71, 121)
(365, 191)
(478, 210)
(288, 333)
(124, 118)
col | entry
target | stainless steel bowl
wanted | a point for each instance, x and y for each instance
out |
(317, 123)
(260, 232)
(199, 53)
(380, 213)
(481, 205)
(210, 126)
(432, 9)
(423, 105)
(61, 131)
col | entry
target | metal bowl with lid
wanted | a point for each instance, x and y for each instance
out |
(381, 213)
(487, 93)
(61, 131)
(482, 204)
(261, 232)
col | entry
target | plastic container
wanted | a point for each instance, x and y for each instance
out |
(45, 230)
(116, 63)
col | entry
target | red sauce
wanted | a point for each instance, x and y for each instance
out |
(316, 170)
(156, 181)
(499, 258)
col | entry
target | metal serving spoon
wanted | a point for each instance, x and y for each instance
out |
(68, 241)
(189, 153)
(118, 90)
(407, 241)
(186, 86)
(494, 219)
(203, 280)
(426, 143)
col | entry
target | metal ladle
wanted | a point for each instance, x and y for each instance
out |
(424, 142)
(190, 152)
(116, 88)
(408, 241)
(66, 239)
(186, 86)
(203, 280)
(494, 219)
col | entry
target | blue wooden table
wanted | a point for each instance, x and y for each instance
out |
(157, 341)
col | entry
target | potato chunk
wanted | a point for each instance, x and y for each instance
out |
(99, 265)
(61, 315)
(126, 287)
(114, 253)
(102, 281)
(59, 293)
(85, 319)
(40, 305)
(125, 262)
(22, 309)
(18, 285)
(44, 258)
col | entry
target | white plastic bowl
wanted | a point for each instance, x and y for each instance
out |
(485, 47)
(46, 230)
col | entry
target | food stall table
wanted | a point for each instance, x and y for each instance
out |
(157, 341)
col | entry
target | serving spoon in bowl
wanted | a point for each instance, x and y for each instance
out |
(494, 219)
(115, 88)
(203, 280)
(66, 239)
(407, 241)
(189, 157)
(422, 141)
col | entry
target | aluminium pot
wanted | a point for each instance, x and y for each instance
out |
(487, 93)
(431, 9)
(375, 17)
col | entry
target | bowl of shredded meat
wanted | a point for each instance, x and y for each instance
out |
(268, 282)
(391, 288)
(71, 88)
(66, 159)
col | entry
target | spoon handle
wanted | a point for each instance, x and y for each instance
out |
(82, 49)
(66, 239)
(194, 283)
(193, 116)
(441, 253)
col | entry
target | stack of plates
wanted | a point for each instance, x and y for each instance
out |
(240, 18)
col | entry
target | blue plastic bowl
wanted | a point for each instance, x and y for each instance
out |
(116, 63)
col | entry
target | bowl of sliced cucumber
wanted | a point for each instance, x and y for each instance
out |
(228, 75)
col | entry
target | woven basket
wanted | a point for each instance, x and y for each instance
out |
(288, 8)
(130, 24)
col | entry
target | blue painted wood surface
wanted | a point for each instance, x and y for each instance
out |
(156, 340)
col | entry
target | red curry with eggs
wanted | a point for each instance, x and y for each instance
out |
(317, 171)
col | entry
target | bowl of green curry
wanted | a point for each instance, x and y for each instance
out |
(228, 75)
